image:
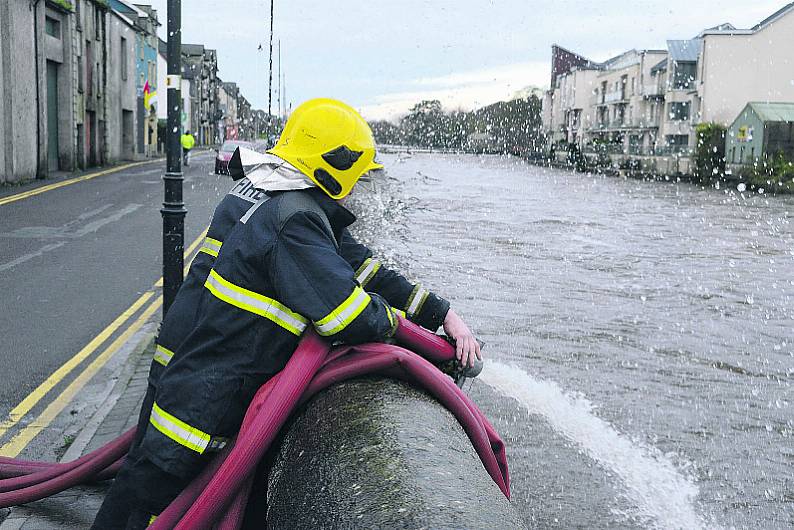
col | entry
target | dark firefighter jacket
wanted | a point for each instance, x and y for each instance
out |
(182, 313)
(287, 264)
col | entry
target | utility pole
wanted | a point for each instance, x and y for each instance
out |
(270, 80)
(173, 209)
(279, 81)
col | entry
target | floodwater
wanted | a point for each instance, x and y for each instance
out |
(639, 335)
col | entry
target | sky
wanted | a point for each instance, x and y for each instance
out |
(383, 56)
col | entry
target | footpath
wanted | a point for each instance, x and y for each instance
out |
(76, 507)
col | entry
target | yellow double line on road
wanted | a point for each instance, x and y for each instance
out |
(69, 182)
(26, 434)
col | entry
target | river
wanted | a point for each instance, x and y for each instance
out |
(639, 335)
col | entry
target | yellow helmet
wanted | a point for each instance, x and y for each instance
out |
(329, 142)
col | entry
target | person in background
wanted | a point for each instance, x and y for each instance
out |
(188, 141)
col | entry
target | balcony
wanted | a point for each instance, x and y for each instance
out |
(614, 97)
(652, 91)
(618, 125)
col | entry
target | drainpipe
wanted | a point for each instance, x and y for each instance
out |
(33, 5)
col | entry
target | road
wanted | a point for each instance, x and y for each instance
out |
(73, 259)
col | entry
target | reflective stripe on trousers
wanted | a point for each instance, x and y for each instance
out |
(163, 355)
(256, 303)
(178, 430)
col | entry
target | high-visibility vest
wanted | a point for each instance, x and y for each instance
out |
(188, 141)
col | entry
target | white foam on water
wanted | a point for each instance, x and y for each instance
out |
(663, 496)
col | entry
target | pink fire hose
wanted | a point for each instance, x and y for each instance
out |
(219, 493)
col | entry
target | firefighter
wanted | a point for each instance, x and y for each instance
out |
(287, 264)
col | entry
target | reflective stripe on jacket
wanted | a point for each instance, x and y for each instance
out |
(420, 305)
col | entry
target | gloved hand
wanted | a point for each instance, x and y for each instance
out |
(466, 346)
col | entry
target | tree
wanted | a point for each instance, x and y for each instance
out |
(709, 156)
(514, 126)
(386, 132)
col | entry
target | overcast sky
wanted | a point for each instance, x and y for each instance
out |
(382, 56)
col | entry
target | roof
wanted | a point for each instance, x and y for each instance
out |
(684, 51)
(192, 49)
(661, 65)
(724, 27)
(773, 111)
(727, 29)
(773, 17)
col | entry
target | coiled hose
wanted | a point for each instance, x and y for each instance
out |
(220, 492)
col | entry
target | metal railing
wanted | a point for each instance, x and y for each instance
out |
(612, 97)
(637, 150)
(652, 90)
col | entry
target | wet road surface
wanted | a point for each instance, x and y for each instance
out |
(72, 259)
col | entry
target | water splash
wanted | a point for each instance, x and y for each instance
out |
(663, 496)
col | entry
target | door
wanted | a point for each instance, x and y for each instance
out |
(52, 116)
(127, 135)
(90, 138)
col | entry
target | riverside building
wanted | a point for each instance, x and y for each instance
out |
(646, 104)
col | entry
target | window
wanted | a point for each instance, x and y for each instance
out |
(52, 27)
(124, 57)
(80, 82)
(679, 111)
(89, 68)
(677, 143)
(684, 76)
(97, 24)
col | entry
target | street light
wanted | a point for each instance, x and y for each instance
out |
(173, 210)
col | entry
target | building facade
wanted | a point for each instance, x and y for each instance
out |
(73, 106)
(143, 19)
(200, 68)
(86, 93)
(648, 103)
(760, 131)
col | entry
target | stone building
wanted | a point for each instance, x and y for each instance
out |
(200, 68)
(120, 96)
(144, 20)
(37, 105)
(72, 106)
(227, 104)
(245, 118)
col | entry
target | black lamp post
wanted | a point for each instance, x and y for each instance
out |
(173, 209)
